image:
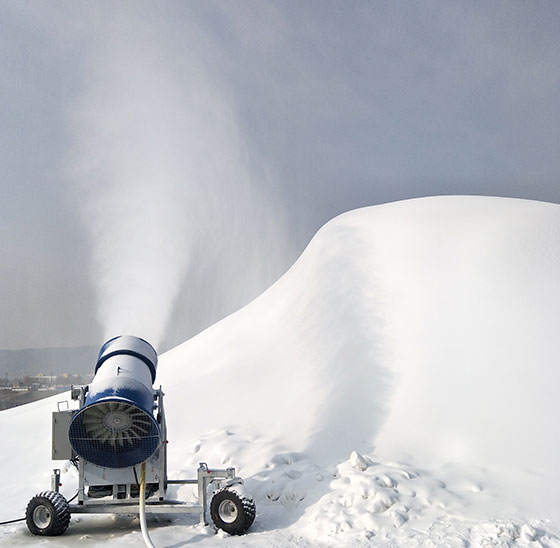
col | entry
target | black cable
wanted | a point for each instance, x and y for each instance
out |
(11, 521)
(136, 476)
(69, 501)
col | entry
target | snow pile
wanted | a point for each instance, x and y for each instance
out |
(372, 500)
(396, 387)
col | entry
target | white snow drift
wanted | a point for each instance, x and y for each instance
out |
(397, 386)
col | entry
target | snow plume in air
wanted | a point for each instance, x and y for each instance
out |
(160, 173)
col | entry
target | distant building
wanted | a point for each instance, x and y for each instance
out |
(40, 380)
(18, 391)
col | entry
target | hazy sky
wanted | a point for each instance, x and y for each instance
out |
(168, 160)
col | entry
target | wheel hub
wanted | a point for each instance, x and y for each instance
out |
(41, 516)
(227, 511)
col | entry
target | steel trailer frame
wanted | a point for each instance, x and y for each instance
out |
(131, 505)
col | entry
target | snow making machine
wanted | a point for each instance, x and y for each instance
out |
(117, 439)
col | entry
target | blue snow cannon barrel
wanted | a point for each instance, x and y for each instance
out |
(116, 426)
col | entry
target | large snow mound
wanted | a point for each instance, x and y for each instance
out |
(399, 382)
(427, 326)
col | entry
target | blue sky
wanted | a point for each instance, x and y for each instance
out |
(259, 121)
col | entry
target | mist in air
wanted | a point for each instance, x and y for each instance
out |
(206, 142)
(164, 182)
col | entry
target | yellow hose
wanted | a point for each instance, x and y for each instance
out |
(143, 525)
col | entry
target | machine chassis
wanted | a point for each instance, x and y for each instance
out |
(123, 481)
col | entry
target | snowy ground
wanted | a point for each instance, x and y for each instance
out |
(397, 387)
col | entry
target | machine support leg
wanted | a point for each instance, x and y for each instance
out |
(202, 492)
(55, 480)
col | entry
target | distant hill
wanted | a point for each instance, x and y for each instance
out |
(30, 361)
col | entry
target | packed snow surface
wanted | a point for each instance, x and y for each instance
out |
(398, 386)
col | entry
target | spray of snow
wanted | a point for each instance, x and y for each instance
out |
(160, 173)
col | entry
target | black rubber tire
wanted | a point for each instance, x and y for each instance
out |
(47, 514)
(231, 512)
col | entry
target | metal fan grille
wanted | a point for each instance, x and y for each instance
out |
(114, 434)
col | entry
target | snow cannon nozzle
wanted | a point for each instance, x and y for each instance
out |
(116, 426)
